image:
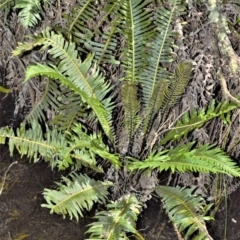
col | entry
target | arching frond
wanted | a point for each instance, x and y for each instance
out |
(119, 219)
(186, 210)
(206, 159)
(77, 193)
(196, 119)
(82, 77)
(89, 144)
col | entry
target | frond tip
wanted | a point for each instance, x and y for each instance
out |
(78, 193)
(186, 210)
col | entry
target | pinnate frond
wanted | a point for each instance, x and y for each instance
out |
(131, 107)
(161, 49)
(76, 194)
(74, 73)
(177, 84)
(136, 31)
(186, 210)
(206, 159)
(32, 142)
(119, 218)
(196, 119)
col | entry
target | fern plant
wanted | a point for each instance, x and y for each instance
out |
(106, 123)
(29, 10)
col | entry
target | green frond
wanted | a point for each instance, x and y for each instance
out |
(90, 39)
(32, 142)
(47, 100)
(104, 51)
(119, 218)
(186, 210)
(78, 19)
(110, 8)
(131, 107)
(195, 119)
(206, 159)
(137, 29)
(177, 85)
(81, 77)
(155, 104)
(77, 193)
(91, 145)
(30, 12)
(71, 109)
(161, 49)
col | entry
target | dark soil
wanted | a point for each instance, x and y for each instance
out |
(21, 214)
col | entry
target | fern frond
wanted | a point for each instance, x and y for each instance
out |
(83, 78)
(206, 159)
(161, 49)
(69, 111)
(77, 21)
(177, 84)
(48, 100)
(186, 210)
(136, 30)
(155, 104)
(32, 142)
(30, 12)
(76, 194)
(101, 43)
(119, 219)
(89, 144)
(131, 107)
(195, 119)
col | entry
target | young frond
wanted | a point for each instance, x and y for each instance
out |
(195, 119)
(90, 145)
(206, 159)
(186, 210)
(77, 193)
(119, 218)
